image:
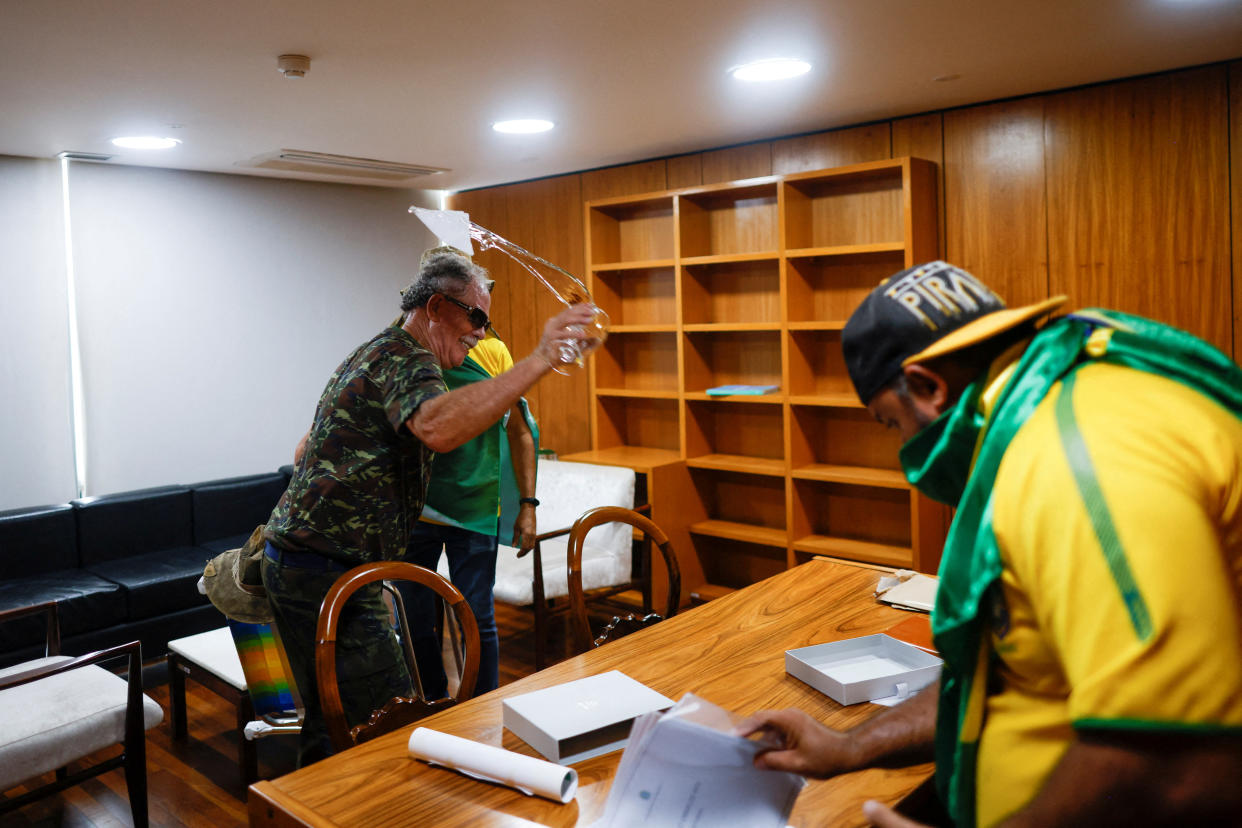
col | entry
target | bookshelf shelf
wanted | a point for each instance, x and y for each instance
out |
(750, 283)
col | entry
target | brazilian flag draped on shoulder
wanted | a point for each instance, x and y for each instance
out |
(971, 561)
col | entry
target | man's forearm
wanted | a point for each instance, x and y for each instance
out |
(447, 421)
(908, 728)
(1141, 779)
(522, 452)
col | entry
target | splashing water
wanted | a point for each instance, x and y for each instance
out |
(455, 228)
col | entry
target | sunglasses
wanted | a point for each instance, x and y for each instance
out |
(476, 315)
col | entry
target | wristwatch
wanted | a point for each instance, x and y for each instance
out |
(533, 501)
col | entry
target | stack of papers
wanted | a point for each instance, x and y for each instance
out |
(686, 768)
(905, 589)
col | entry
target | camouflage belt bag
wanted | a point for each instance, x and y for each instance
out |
(234, 583)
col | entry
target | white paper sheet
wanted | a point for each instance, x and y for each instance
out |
(450, 226)
(682, 771)
(529, 775)
(915, 592)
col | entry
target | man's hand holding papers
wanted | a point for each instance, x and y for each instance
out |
(689, 767)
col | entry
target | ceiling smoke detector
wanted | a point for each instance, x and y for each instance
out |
(293, 66)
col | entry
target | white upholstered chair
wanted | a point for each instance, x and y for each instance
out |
(540, 579)
(58, 709)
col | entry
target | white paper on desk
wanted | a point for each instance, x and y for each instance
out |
(679, 771)
(915, 592)
(492, 764)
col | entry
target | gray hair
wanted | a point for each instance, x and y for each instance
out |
(442, 271)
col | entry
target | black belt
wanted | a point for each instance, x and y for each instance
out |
(301, 560)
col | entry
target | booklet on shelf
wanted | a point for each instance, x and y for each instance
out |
(749, 390)
(686, 767)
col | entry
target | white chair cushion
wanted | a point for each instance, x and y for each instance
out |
(49, 723)
(214, 651)
(566, 490)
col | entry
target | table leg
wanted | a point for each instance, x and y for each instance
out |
(176, 696)
(247, 755)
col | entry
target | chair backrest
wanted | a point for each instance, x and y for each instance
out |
(399, 711)
(566, 490)
(577, 595)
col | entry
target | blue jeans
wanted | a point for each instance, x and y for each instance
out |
(472, 569)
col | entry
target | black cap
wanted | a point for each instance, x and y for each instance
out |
(906, 314)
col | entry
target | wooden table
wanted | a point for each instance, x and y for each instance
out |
(730, 651)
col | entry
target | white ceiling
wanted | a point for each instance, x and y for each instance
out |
(420, 82)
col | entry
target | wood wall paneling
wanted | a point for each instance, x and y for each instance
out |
(923, 137)
(685, 171)
(736, 163)
(487, 208)
(996, 216)
(831, 149)
(1138, 199)
(1235, 167)
(1117, 194)
(631, 179)
(545, 217)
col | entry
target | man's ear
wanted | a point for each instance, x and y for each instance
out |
(927, 386)
(434, 305)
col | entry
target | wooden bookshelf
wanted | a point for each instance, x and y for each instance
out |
(750, 283)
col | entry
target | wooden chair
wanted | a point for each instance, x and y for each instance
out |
(57, 710)
(578, 597)
(540, 579)
(400, 711)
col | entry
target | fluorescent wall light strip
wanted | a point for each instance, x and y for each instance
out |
(77, 400)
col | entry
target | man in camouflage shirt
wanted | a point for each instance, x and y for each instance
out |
(360, 477)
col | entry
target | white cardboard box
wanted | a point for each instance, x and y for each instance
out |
(863, 669)
(583, 718)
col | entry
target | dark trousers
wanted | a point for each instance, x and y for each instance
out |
(472, 569)
(370, 667)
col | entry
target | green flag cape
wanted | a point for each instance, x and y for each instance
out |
(971, 562)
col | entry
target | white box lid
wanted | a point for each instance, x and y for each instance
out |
(587, 704)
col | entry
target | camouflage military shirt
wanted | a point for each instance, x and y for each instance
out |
(361, 483)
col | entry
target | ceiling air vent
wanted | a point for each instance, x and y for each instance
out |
(73, 155)
(340, 166)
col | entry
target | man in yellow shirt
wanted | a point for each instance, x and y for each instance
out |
(1089, 608)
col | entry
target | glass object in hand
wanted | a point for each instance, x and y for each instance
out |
(560, 283)
(573, 352)
(458, 230)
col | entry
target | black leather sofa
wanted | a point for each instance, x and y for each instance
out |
(125, 566)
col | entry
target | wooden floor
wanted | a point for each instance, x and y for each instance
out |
(195, 782)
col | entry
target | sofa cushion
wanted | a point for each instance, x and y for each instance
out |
(85, 602)
(126, 524)
(225, 509)
(157, 582)
(38, 539)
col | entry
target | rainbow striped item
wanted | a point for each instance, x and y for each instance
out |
(266, 668)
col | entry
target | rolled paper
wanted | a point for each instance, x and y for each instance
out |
(492, 764)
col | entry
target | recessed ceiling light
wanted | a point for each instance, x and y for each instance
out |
(770, 69)
(523, 126)
(145, 142)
